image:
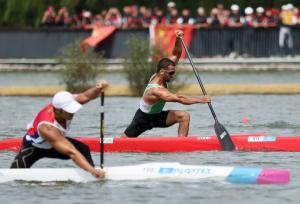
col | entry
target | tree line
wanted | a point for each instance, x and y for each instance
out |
(28, 13)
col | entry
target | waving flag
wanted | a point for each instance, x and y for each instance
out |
(98, 35)
(164, 36)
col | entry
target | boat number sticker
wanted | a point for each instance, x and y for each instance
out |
(108, 140)
(204, 138)
(261, 139)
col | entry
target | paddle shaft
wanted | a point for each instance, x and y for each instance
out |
(199, 80)
(102, 130)
(221, 132)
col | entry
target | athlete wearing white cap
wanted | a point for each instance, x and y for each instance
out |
(45, 136)
(65, 100)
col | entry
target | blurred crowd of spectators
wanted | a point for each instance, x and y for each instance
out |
(133, 16)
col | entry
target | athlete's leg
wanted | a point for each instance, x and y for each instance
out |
(139, 124)
(27, 156)
(181, 117)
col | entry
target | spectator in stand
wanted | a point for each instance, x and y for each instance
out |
(272, 17)
(98, 20)
(62, 18)
(260, 20)
(103, 13)
(49, 17)
(248, 32)
(297, 14)
(75, 21)
(86, 20)
(147, 18)
(186, 18)
(201, 19)
(213, 20)
(249, 17)
(113, 18)
(171, 5)
(135, 20)
(288, 20)
(126, 16)
(142, 13)
(173, 16)
(223, 14)
(142, 10)
(235, 19)
(158, 18)
(132, 18)
(170, 8)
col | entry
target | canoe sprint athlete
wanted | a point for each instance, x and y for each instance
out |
(45, 135)
(150, 113)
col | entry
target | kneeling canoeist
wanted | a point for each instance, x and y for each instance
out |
(45, 136)
(150, 113)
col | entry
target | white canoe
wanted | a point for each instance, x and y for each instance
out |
(163, 171)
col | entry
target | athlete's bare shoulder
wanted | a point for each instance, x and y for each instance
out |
(152, 77)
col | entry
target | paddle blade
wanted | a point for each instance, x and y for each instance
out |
(224, 137)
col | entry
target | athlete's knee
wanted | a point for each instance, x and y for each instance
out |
(183, 116)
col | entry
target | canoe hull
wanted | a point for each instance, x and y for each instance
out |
(158, 171)
(243, 142)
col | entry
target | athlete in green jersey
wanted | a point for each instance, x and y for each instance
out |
(150, 113)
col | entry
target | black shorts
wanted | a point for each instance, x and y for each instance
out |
(29, 154)
(144, 121)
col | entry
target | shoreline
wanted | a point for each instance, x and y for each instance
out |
(194, 89)
(202, 64)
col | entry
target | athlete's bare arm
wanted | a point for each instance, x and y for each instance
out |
(62, 145)
(177, 50)
(91, 93)
(164, 94)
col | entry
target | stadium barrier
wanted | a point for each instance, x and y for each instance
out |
(45, 43)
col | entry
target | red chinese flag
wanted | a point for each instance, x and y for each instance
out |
(164, 36)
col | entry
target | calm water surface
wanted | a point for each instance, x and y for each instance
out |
(273, 114)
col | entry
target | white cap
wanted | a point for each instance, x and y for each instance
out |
(87, 14)
(171, 4)
(248, 10)
(65, 100)
(201, 9)
(283, 7)
(234, 7)
(289, 6)
(260, 9)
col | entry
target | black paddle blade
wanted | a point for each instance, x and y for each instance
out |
(224, 137)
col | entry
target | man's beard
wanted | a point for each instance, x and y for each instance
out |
(169, 80)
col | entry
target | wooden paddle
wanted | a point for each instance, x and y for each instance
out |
(102, 130)
(221, 132)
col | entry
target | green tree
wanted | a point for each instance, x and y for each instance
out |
(138, 67)
(80, 69)
(22, 13)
